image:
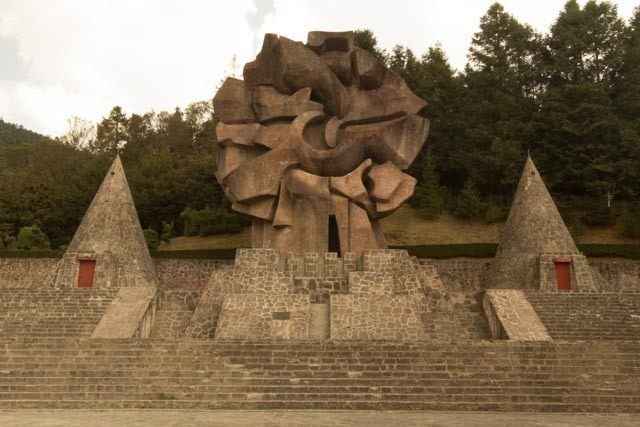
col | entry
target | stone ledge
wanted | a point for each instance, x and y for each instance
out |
(510, 315)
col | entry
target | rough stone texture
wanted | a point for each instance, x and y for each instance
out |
(330, 117)
(258, 260)
(511, 316)
(27, 273)
(110, 233)
(375, 316)
(533, 236)
(232, 103)
(130, 314)
(187, 273)
(204, 320)
(174, 309)
(262, 279)
(259, 316)
(618, 274)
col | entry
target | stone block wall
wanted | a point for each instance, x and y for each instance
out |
(387, 260)
(619, 274)
(187, 273)
(375, 317)
(260, 316)
(259, 260)
(27, 273)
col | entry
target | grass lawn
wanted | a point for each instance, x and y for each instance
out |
(406, 227)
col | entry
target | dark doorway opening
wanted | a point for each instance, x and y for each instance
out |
(334, 235)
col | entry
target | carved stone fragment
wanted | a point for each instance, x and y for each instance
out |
(270, 104)
(232, 103)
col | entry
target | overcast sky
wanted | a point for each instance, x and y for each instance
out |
(63, 58)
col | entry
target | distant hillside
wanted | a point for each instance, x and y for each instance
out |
(12, 134)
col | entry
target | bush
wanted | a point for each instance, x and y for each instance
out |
(167, 231)
(469, 204)
(630, 222)
(32, 238)
(152, 238)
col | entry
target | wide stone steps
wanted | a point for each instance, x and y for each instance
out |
(588, 316)
(220, 374)
(51, 312)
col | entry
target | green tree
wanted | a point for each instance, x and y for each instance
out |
(429, 197)
(469, 204)
(365, 39)
(502, 85)
(152, 238)
(111, 131)
(580, 137)
(32, 238)
(167, 232)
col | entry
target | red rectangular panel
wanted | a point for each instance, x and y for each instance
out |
(86, 271)
(563, 275)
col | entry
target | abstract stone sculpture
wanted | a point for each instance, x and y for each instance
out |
(313, 143)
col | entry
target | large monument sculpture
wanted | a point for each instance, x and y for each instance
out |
(313, 144)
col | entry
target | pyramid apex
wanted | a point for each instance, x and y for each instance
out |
(534, 224)
(533, 238)
(111, 235)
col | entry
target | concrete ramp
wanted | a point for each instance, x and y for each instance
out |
(511, 316)
(129, 315)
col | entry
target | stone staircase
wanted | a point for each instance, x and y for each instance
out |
(45, 312)
(588, 316)
(460, 317)
(383, 375)
(173, 313)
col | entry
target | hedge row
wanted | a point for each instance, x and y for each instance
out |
(475, 250)
(196, 254)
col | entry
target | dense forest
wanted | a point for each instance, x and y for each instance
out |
(570, 98)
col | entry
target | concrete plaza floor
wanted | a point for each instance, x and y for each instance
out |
(148, 418)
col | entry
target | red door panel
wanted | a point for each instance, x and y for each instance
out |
(85, 273)
(563, 275)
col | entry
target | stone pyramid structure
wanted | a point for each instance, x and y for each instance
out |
(110, 237)
(533, 239)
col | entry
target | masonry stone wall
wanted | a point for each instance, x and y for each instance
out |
(172, 273)
(27, 273)
(260, 316)
(187, 273)
(463, 274)
(619, 274)
(359, 316)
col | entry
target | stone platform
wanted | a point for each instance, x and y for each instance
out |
(148, 418)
